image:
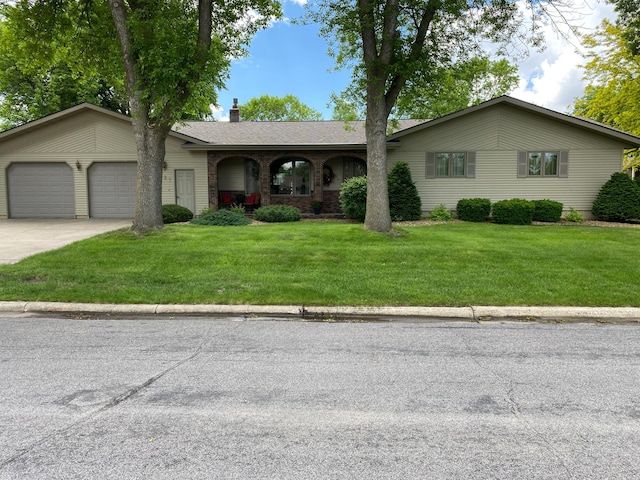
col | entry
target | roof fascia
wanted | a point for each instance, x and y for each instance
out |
(230, 148)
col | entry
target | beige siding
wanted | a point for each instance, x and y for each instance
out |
(231, 174)
(177, 158)
(496, 135)
(496, 179)
(87, 137)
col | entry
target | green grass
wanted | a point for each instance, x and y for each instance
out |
(327, 263)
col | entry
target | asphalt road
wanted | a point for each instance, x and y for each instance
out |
(230, 399)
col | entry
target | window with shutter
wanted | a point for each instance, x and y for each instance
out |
(450, 164)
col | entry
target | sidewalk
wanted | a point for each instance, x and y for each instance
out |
(629, 315)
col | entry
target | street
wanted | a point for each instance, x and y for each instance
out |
(182, 397)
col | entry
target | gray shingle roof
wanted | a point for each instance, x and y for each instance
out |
(322, 133)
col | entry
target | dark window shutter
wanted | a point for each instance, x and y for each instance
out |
(522, 164)
(431, 165)
(471, 165)
(563, 170)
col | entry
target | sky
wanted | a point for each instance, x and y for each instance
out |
(292, 59)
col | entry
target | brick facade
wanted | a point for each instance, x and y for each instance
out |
(265, 158)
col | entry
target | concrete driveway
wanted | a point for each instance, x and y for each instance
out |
(20, 238)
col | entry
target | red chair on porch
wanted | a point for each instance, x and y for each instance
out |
(252, 201)
(225, 199)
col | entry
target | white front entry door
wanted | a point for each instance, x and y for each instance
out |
(185, 189)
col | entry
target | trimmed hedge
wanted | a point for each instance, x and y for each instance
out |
(222, 218)
(516, 211)
(175, 213)
(353, 198)
(547, 211)
(404, 201)
(474, 209)
(618, 200)
(277, 213)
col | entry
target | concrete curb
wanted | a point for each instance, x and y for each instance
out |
(470, 313)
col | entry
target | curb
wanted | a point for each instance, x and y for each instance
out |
(470, 313)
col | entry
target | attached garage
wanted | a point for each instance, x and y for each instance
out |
(41, 190)
(112, 190)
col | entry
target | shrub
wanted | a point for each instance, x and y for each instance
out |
(205, 211)
(474, 209)
(238, 208)
(547, 211)
(440, 213)
(222, 218)
(353, 198)
(574, 216)
(404, 201)
(618, 199)
(516, 211)
(175, 213)
(277, 213)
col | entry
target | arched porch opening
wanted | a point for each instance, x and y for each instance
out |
(238, 180)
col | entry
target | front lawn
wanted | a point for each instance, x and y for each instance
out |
(332, 263)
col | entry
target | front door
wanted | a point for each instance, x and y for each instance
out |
(185, 189)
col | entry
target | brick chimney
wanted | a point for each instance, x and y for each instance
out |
(234, 113)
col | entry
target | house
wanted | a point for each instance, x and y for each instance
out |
(81, 162)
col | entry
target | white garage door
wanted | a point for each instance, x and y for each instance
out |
(112, 190)
(41, 190)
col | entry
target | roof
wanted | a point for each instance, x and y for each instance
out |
(52, 118)
(298, 135)
(590, 125)
(319, 135)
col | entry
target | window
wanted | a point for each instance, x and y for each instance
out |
(451, 164)
(291, 177)
(543, 164)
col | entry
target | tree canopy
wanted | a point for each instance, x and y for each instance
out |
(613, 94)
(278, 109)
(42, 72)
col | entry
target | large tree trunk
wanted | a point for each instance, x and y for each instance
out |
(150, 144)
(377, 217)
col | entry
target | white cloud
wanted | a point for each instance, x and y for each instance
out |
(553, 78)
(219, 113)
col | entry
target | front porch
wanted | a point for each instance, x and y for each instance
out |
(296, 178)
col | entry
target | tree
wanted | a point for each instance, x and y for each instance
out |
(629, 22)
(170, 55)
(278, 109)
(613, 94)
(392, 43)
(437, 94)
(465, 84)
(37, 82)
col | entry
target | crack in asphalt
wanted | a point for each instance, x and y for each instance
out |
(109, 405)
(514, 405)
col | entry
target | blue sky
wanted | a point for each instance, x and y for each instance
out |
(292, 59)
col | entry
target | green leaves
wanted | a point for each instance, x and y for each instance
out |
(278, 109)
(613, 96)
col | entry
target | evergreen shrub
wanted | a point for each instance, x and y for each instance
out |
(175, 213)
(440, 214)
(547, 211)
(404, 201)
(222, 218)
(277, 213)
(618, 200)
(473, 209)
(516, 211)
(353, 198)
